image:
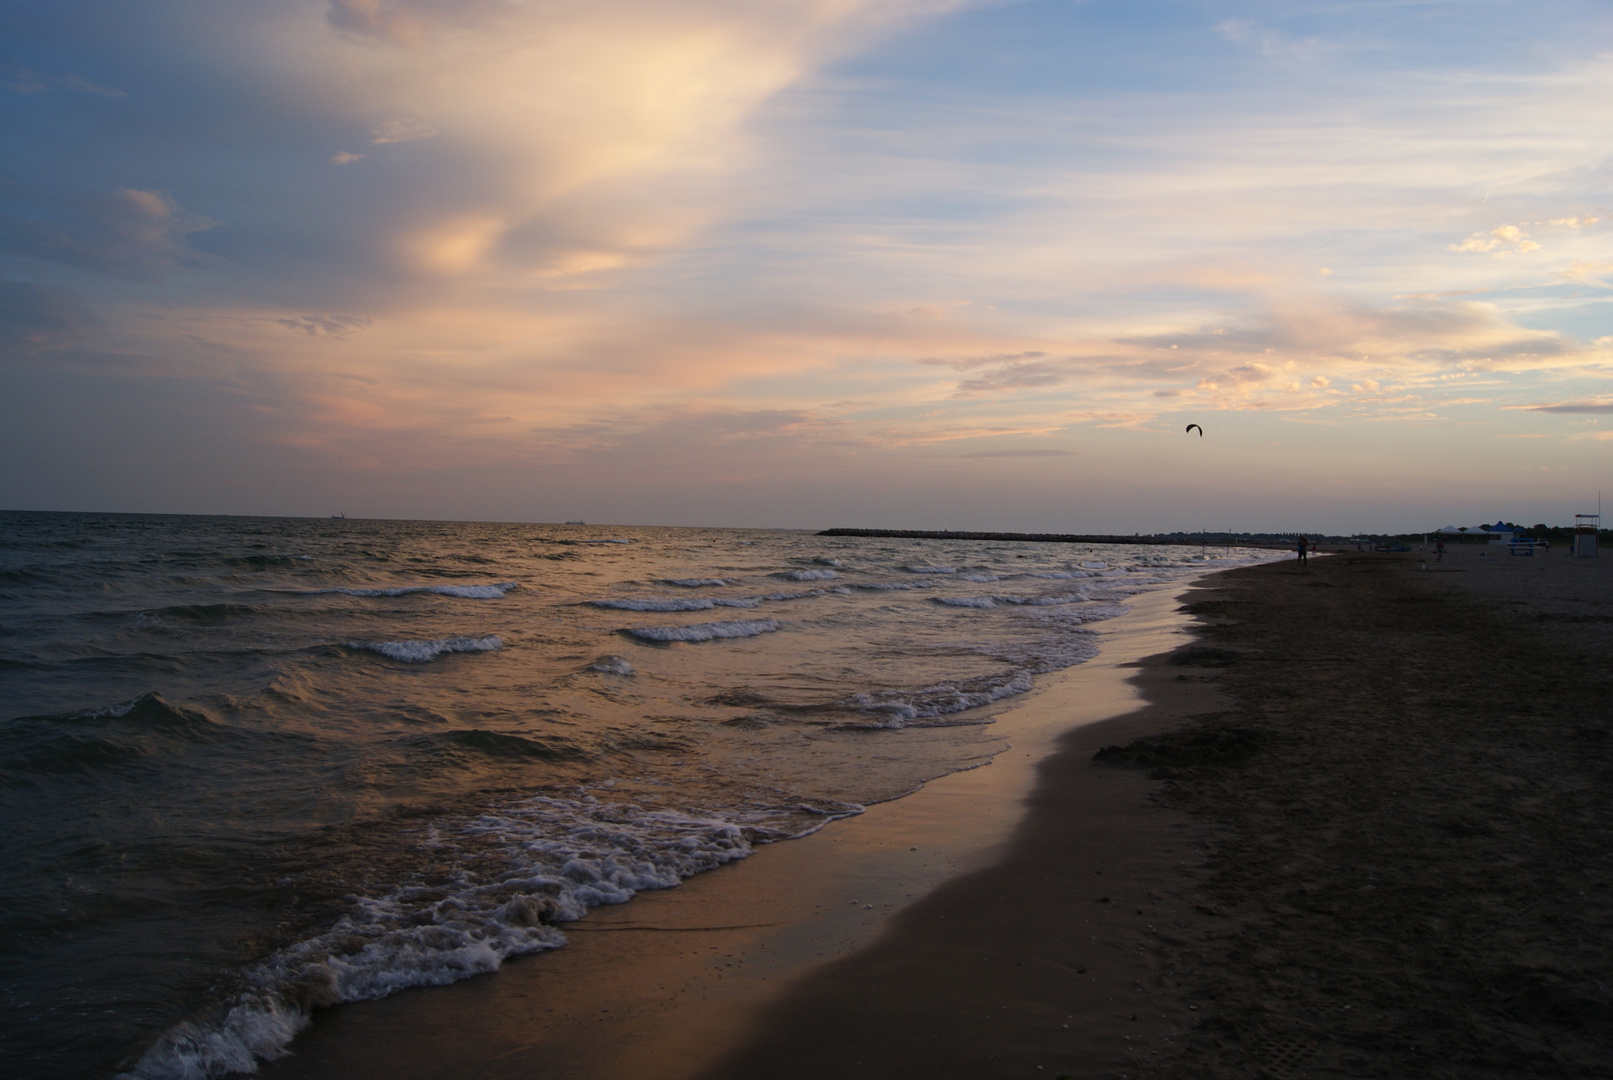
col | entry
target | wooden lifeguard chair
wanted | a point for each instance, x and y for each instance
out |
(1586, 526)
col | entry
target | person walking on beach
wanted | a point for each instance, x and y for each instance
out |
(1302, 549)
(1439, 549)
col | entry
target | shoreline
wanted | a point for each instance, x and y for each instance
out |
(1387, 853)
(669, 982)
(1205, 540)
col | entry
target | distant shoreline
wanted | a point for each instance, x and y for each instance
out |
(1184, 540)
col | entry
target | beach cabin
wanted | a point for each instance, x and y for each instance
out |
(1586, 526)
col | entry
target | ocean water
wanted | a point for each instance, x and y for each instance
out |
(251, 767)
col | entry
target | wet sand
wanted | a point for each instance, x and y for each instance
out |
(668, 984)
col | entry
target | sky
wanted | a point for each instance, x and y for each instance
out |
(810, 263)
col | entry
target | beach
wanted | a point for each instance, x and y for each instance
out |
(1355, 826)
(1344, 818)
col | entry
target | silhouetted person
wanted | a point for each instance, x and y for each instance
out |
(1302, 549)
(1439, 550)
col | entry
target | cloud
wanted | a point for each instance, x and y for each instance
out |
(1497, 237)
(338, 326)
(27, 81)
(129, 233)
(400, 131)
(567, 138)
(409, 22)
(32, 314)
(1581, 270)
(1043, 452)
(85, 86)
(23, 81)
(969, 363)
(1271, 43)
(1572, 407)
(717, 225)
(1019, 375)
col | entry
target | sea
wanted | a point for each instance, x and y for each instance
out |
(253, 767)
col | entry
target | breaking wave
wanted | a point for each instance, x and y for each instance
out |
(554, 858)
(464, 592)
(741, 628)
(420, 652)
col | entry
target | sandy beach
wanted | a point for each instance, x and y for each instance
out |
(1358, 827)
(1404, 807)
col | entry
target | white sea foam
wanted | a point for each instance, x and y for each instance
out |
(675, 603)
(697, 583)
(889, 586)
(557, 858)
(1058, 575)
(1042, 601)
(898, 709)
(658, 604)
(807, 575)
(980, 579)
(802, 595)
(420, 652)
(1099, 612)
(611, 665)
(1013, 601)
(824, 560)
(931, 569)
(740, 628)
(464, 592)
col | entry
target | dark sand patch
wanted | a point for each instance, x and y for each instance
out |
(1418, 847)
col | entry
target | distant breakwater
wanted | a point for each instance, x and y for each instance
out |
(1218, 540)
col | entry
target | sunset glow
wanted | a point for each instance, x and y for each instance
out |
(847, 262)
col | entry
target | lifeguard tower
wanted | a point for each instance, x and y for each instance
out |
(1586, 527)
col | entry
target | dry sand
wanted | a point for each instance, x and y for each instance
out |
(1413, 803)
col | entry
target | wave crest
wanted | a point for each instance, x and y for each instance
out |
(463, 592)
(421, 652)
(739, 628)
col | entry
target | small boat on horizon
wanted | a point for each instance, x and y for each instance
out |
(576, 523)
(339, 517)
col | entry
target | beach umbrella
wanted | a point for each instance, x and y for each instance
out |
(1190, 427)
